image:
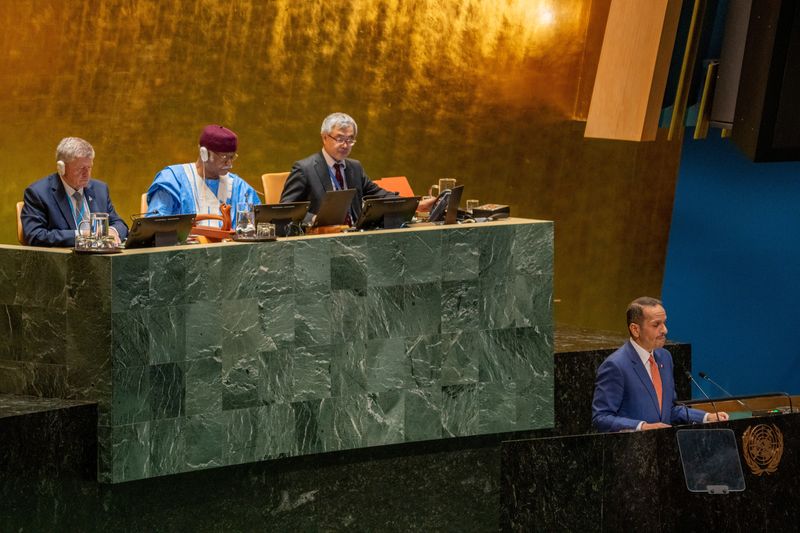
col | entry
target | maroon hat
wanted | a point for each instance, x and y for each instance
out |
(218, 139)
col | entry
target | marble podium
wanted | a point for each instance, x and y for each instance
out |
(635, 482)
(201, 357)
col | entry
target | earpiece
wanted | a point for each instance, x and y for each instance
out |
(61, 167)
(203, 154)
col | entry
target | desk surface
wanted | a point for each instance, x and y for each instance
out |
(350, 234)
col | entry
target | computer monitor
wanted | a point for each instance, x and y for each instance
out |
(282, 215)
(446, 206)
(334, 207)
(165, 230)
(388, 213)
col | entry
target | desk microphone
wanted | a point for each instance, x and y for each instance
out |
(717, 385)
(689, 375)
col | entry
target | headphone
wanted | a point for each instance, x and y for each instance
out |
(61, 168)
(203, 154)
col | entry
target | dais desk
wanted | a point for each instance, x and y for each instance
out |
(207, 356)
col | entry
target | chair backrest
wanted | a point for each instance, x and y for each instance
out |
(143, 204)
(20, 234)
(398, 184)
(273, 186)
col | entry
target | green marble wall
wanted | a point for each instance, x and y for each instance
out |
(210, 356)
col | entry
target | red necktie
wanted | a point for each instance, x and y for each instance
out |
(655, 375)
(340, 181)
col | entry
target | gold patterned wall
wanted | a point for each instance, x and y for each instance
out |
(488, 91)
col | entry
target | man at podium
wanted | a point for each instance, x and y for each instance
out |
(635, 387)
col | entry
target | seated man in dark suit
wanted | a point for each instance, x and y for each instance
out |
(56, 205)
(635, 388)
(331, 170)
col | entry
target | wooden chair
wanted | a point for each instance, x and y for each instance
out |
(20, 234)
(398, 184)
(273, 186)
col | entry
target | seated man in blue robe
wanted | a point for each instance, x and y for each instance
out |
(203, 186)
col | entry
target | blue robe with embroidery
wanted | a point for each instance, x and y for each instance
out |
(172, 193)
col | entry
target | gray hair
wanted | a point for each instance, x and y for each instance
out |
(338, 120)
(72, 148)
(635, 313)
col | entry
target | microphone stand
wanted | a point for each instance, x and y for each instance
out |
(717, 385)
(713, 405)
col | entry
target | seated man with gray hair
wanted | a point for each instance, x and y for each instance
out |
(331, 170)
(57, 204)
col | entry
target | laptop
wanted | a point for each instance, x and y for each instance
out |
(164, 230)
(334, 207)
(389, 213)
(284, 216)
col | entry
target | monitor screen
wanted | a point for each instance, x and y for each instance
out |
(391, 212)
(165, 230)
(282, 215)
(446, 206)
(334, 207)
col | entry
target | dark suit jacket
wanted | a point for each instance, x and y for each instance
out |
(47, 218)
(624, 394)
(310, 179)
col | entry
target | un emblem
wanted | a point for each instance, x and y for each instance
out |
(762, 448)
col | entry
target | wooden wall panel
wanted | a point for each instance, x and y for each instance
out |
(632, 73)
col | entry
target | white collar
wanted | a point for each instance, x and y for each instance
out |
(644, 355)
(70, 190)
(330, 161)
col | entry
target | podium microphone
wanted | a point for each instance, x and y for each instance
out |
(717, 385)
(689, 375)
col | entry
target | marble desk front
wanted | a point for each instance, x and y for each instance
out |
(206, 356)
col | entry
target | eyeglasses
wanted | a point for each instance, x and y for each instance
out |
(342, 140)
(226, 157)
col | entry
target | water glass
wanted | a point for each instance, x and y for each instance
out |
(446, 184)
(265, 230)
(83, 240)
(99, 223)
(245, 220)
(472, 204)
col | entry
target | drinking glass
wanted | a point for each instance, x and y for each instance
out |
(446, 184)
(472, 204)
(265, 230)
(245, 226)
(99, 223)
(99, 232)
(83, 240)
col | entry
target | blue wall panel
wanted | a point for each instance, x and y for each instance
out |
(732, 276)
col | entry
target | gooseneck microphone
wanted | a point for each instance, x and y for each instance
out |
(717, 385)
(713, 405)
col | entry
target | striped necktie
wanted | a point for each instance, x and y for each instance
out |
(80, 213)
